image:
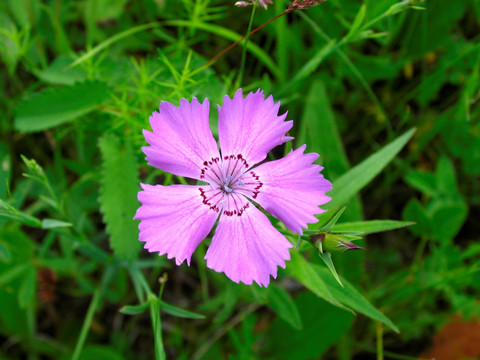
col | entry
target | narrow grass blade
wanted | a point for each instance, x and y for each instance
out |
(372, 226)
(354, 180)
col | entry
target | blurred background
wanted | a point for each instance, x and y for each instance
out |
(79, 79)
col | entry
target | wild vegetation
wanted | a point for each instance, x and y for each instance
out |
(385, 91)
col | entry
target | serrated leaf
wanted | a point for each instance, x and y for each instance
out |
(118, 196)
(282, 303)
(52, 107)
(179, 312)
(369, 227)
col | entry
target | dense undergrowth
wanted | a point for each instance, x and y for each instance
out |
(386, 91)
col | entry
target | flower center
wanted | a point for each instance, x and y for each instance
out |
(228, 179)
(224, 174)
(227, 185)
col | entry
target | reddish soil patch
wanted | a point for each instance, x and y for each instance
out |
(457, 340)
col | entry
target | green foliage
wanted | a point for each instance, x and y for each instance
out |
(312, 340)
(385, 91)
(282, 303)
(355, 179)
(53, 107)
(118, 196)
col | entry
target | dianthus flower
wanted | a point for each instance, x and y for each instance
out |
(263, 3)
(176, 218)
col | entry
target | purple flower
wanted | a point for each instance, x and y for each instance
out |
(176, 218)
(263, 3)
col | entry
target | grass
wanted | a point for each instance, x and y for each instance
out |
(386, 92)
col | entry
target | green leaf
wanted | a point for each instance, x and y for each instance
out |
(99, 352)
(331, 223)
(5, 169)
(5, 255)
(281, 302)
(10, 212)
(448, 219)
(112, 40)
(354, 180)
(318, 129)
(357, 22)
(313, 339)
(351, 297)
(118, 196)
(445, 175)
(315, 61)
(179, 312)
(302, 271)
(58, 73)
(369, 227)
(135, 309)
(52, 223)
(414, 211)
(52, 107)
(26, 292)
(423, 181)
(12, 273)
(327, 259)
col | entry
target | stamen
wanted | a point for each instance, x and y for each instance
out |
(227, 177)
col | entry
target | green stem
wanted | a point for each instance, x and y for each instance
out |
(107, 275)
(156, 319)
(30, 312)
(157, 327)
(223, 330)
(344, 346)
(137, 279)
(418, 255)
(379, 341)
(238, 83)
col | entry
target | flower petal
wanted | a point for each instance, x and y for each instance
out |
(251, 126)
(181, 140)
(293, 189)
(174, 220)
(247, 247)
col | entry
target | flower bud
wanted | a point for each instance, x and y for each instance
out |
(334, 243)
